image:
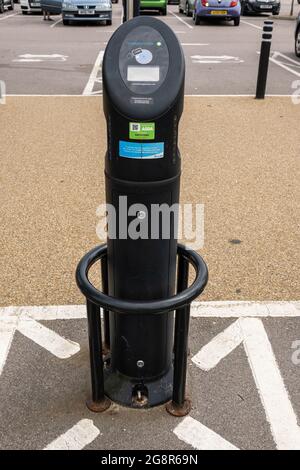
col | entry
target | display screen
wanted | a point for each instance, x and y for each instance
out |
(142, 74)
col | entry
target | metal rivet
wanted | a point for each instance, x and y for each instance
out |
(140, 363)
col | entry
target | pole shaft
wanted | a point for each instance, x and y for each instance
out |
(95, 343)
(104, 275)
(263, 69)
(181, 337)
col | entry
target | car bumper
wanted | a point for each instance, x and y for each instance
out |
(260, 8)
(98, 16)
(152, 5)
(230, 13)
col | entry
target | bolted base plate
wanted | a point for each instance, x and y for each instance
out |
(136, 393)
(98, 406)
(179, 411)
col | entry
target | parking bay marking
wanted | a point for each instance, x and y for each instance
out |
(77, 437)
(95, 77)
(274, 397)
(286, 66)
(41, 58)
(182, 21)
(211, 59)
(8, 16)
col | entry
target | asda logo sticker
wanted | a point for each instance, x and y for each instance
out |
(141, 130)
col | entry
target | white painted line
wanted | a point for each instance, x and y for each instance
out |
(232, 309)
(251, 24)
(8, 16)
(48, 339)
(284, 66)
(274, 396)
(219, 309)
(211, 59)
(7, 330)
(93, 77)
(219, 347)
(56, 22)
(200, 437)
(41, 58)
(76, 438)
(296, 62)
(182, 21)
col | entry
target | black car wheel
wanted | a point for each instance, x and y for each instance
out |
(297, 43)
(66, 22)
(109, 22)
(187, 9)
(11, 6)
(197, 19)
(236, 21)
(163, 11)
(1, 7)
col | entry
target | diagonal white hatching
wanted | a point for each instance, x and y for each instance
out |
(48, 339)
(201, 437)
(270, 385)
(76, 438)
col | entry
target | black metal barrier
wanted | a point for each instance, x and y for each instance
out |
(264, 59)
(179, 405)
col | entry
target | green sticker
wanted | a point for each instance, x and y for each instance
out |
(141, 130)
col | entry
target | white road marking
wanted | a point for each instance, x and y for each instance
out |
(41, 58)
(76, 438)
(274, 396)
(200, 437)
(8, 16)
(94, 74)
(7, 330)
(251, 24)
(284, 66)
(56, 22)
(266, 374)
(233, 309)
(219, 347)
(218, 309)
(210, 59)
(48, 339)
(182, 21)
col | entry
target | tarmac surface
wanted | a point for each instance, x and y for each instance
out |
(39, 57)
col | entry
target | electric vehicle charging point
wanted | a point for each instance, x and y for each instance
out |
(144, 357)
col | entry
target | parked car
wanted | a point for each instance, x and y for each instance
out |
(260, 6)
(229, 10)
(80, 10)
(297, 36)
(9, 4)
(30, 6)
(186, 7)
(157, 5)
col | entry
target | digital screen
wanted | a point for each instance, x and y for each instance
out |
(142, 74)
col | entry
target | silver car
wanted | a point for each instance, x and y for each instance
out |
(80, 10)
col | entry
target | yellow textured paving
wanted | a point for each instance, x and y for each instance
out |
(240, 158)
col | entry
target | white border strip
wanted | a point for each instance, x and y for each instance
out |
(187, 95)
(219, 309)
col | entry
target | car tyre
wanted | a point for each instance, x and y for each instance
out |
(66, 22)
(24, 12)
(163, 12)
(197, 20)
(297, 43)
(275, 13)
(12, 5)
(236, 21)
(108, 22)
(187, 9)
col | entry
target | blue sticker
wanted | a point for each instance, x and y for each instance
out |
(141, 150)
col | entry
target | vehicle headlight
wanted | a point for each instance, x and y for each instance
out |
(67, 6)
(103, 6)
